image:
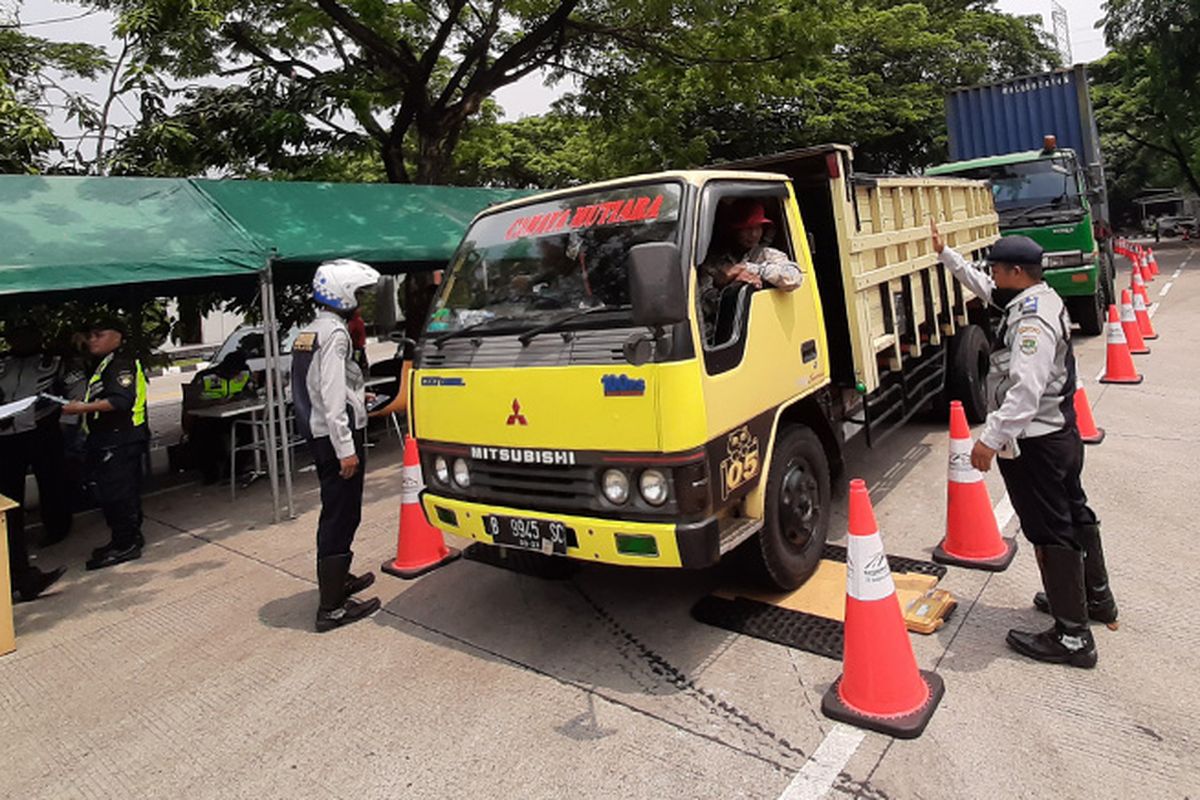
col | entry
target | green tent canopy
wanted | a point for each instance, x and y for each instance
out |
(62, 233)
(377, 223)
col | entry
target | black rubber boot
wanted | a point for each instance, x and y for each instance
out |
(356, 583)
(1101, 605)
(34, 582)
(1069, 641)
(336, 607)
(110, 555)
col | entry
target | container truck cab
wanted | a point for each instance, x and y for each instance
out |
(1043, 194)
(571, 399)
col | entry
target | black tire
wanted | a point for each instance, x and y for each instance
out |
(787, 549)
(966, 372)
(1090, 312)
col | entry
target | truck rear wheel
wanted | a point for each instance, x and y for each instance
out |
(787, 549)
(967, 370)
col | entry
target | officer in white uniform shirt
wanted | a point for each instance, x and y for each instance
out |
(330, 404)
(1031, 425)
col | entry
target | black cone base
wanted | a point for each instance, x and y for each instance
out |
(909, 726)
(997, 564)
(408, 574)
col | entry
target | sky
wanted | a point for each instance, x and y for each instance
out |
(63, 22)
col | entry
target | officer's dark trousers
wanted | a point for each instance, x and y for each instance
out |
(42, 450)
(115, 473)
(1044, 486)
(341, 499)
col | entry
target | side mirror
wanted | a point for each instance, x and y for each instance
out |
(407, 346)
(656, 287)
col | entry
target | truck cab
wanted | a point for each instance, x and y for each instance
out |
(1043, 194)
(575, 395)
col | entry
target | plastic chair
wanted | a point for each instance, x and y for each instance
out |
(398, 405)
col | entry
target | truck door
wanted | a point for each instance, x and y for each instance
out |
(760, 347)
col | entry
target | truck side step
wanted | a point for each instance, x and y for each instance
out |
(735, 530)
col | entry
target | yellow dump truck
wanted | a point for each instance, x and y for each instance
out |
(573, 396)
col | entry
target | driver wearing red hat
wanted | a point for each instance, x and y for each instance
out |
(741, 257)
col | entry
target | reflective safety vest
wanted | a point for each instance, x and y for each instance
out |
(137, 414)
(214, 387)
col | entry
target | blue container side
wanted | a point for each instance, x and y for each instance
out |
(1015, 115)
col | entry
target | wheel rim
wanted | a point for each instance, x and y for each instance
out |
(799, 505)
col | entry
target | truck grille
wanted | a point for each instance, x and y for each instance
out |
(601, 346)
(537, 487)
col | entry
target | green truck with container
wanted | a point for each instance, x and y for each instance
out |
(1035, 140)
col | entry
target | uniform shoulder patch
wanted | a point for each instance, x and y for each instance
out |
(125, 378)
(1029, 305)
(1029, 345)
(305, 342)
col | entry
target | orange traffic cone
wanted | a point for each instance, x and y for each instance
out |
(972, 535)
(1084, 419)
(1142, 314)
(880, 687)
(1129, 324)
(1147, 275)
(1138, 284)
(1118, 366)
(419, 545)
(1153, 263)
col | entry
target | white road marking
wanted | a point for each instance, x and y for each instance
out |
(1004, 512)
(1179, 271)
(816, 777)
(1166, 289)
(822, 768)
(1153, 308)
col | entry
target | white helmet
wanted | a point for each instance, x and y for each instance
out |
(336, 282)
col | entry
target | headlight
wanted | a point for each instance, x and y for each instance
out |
(616, 486)
(462, 475)
(441, 470)
(654, 487)
(1070, 258)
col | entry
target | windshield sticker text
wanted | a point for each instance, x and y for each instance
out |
(641, 209)
(434, 380)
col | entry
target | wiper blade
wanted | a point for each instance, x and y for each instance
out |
(445, 337)
(1025, 212)
(529, 335)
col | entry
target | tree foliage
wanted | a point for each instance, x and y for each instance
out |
(375, 88)
(1148, 88)
(31, 69)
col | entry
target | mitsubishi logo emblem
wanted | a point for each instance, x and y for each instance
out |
(516, 417)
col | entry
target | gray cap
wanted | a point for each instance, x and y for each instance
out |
(1016, 250)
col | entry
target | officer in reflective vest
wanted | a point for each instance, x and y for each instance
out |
(330, 403)
(31, 439)
(1031, 426)
(114, 422)
(209, 438)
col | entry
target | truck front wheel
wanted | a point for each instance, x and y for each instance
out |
(787, 549)
(1090, 312)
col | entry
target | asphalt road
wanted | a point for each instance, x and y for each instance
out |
(194, 672)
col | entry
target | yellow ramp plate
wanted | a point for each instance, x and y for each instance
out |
(824, 595)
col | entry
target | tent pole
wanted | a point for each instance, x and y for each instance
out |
(284, 434)
(272, 378)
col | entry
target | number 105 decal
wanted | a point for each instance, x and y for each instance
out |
(741, 465)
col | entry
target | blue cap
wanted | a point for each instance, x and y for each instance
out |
(1016, 250)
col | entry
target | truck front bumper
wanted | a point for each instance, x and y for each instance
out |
(1074, 281)
(691, 545)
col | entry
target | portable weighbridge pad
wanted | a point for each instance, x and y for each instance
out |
(810, 618)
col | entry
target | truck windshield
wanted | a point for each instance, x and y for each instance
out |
(525, 266)
(1046, 186)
